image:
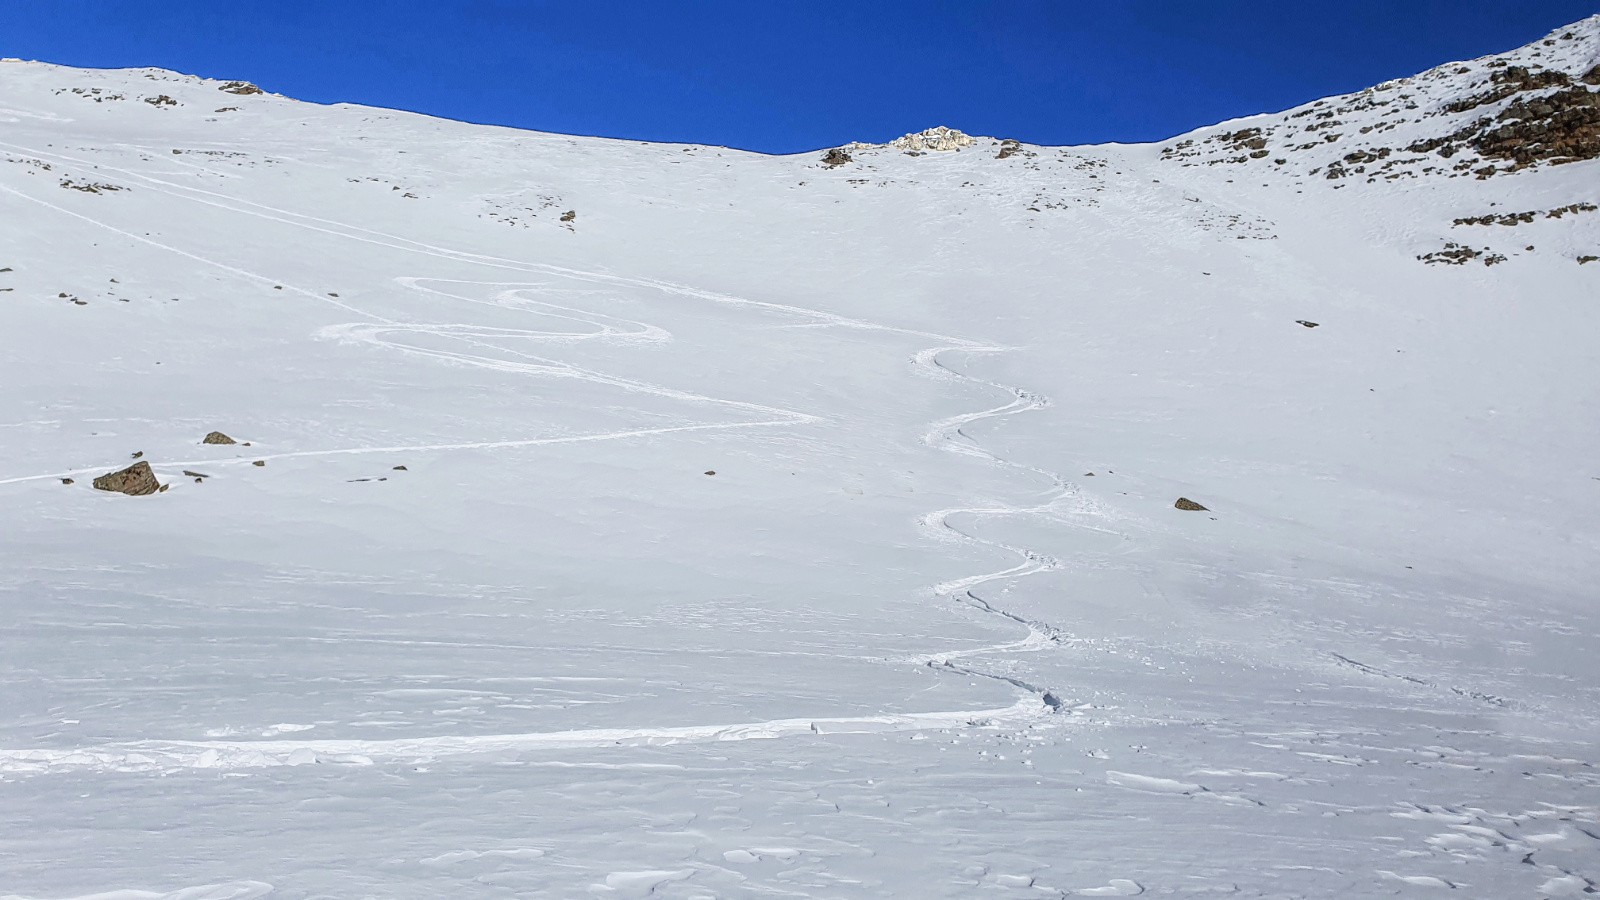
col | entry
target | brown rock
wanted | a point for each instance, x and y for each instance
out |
(835, 157)
(66, 481)
(1186, 504)
(259, 462)
(401, 469)
(217, 437)
(136, 480)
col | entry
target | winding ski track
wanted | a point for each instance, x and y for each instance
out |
(1034, 704)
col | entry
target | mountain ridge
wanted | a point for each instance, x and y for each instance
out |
(1576, 55)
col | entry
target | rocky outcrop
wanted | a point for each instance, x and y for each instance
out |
(1455, 254)
(835, 157)
(136, 480)
(938, 139)
(217, 437)
(1559, 127)
(1185, 503)
(242, 88)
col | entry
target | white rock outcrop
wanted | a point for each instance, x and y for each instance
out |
(938, 138)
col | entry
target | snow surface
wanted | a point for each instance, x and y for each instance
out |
(902, 642)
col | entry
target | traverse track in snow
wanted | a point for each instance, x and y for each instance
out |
(379, 330)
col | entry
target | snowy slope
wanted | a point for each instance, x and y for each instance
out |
(624, 519)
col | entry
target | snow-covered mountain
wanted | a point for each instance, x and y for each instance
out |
(623, 519)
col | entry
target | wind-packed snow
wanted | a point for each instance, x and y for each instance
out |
(618, 519)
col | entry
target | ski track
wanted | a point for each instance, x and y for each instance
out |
(1034, 704)
(167, 756)
(947, 434)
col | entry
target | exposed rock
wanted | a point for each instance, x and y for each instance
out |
(401, 469)
(1455, 254)
(1508, 82)
(570, 215)
(90, 187)
(259, 462)
(242, 88)
(1008, 148)
(1505, 219)
(938, 138)
(1186, 504)
(217, 437)
(136, 480)
(1573, 208)
(1560, 127)
(67, 481)
(711, 471)
(1306, 324)
(197, 476)
(1244, 139)
(835, 157)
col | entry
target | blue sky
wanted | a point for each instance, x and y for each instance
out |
(782, 76)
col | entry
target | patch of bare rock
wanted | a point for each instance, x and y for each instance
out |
(1455, 254)
(938, 139)
(136, 480)
(835, 157)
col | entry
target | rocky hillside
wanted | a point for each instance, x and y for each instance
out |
(1537, 105)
